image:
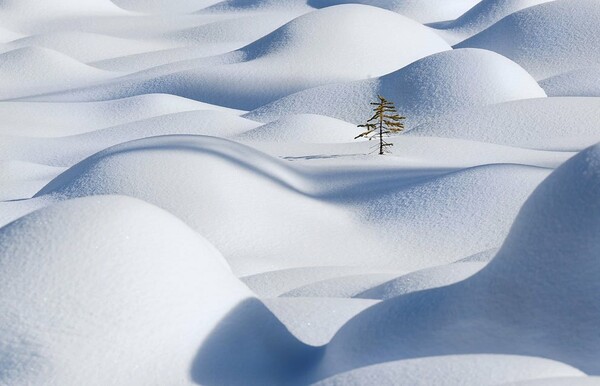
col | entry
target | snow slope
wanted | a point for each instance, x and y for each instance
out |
(183, 202)
(528, 286)
(436, 85)
(272, 61)
(34, 70)
(548, 123)
(132, 294)
(548, 39)
(483, 14)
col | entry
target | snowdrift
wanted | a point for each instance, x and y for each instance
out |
(283, 62)
(433, 86)
(483, 15)
(548, 123)
(457, 369)
(109, 280)
(209, 182)
(584, 82)
(303, 128)
(33, 70)
(39, 119)
(548, 39)
(548, 259)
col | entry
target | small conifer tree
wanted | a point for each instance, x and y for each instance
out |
(384, 122)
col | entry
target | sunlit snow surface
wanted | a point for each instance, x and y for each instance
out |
(182, 201)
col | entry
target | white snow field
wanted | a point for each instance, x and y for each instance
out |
(183, 200)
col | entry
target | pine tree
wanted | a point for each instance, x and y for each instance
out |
(384, 122)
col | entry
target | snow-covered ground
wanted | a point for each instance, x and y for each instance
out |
(182, 201)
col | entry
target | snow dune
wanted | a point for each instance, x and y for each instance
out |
(529, 286)
(132, 293)
(436, 85)
(182, 201)
(33, 70)
(548, 39)
(158, 169)
(39, 119)
(547, 123)
(488, 369)
(483, 15)
(340, 34)
(584, 82)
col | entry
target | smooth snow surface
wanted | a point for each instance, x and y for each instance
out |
(436, 85)
(183, 200)
(548, 39)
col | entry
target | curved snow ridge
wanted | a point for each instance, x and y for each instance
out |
(428, 278)
(483, 15)
(283, 62)
(66, 151)
(584, 82)
(547, 39)
(472, 210)
(436, 85)
(339, 287)
(448, 370)
(76, 45)
(303, 128)
(525, 123)
(548, 259)
(34, 70)
(42, 119)
(209, 183)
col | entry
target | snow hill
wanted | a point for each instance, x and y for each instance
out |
(497, 308)
(271, 61)
(183, 200)
(436, 85)
(548, 39)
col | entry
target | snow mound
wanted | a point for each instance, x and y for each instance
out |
(112, 280)
(533, 123)
(484, 14)
(421, 280)
(208, 182)
(456, 369)
(34, 70)
(584, 82)
(77, 45)
(549, 258)
(283, 62)
(433, 86)
(303, 128)
(40, 119)
(66, 151)
(548, 39)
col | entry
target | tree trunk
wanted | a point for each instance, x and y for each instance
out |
(381, 134)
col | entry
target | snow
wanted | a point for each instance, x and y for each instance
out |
(183, 202)
(130, 292)
(456, 369)
(436, 85)
(528, 286)
(548, 39)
